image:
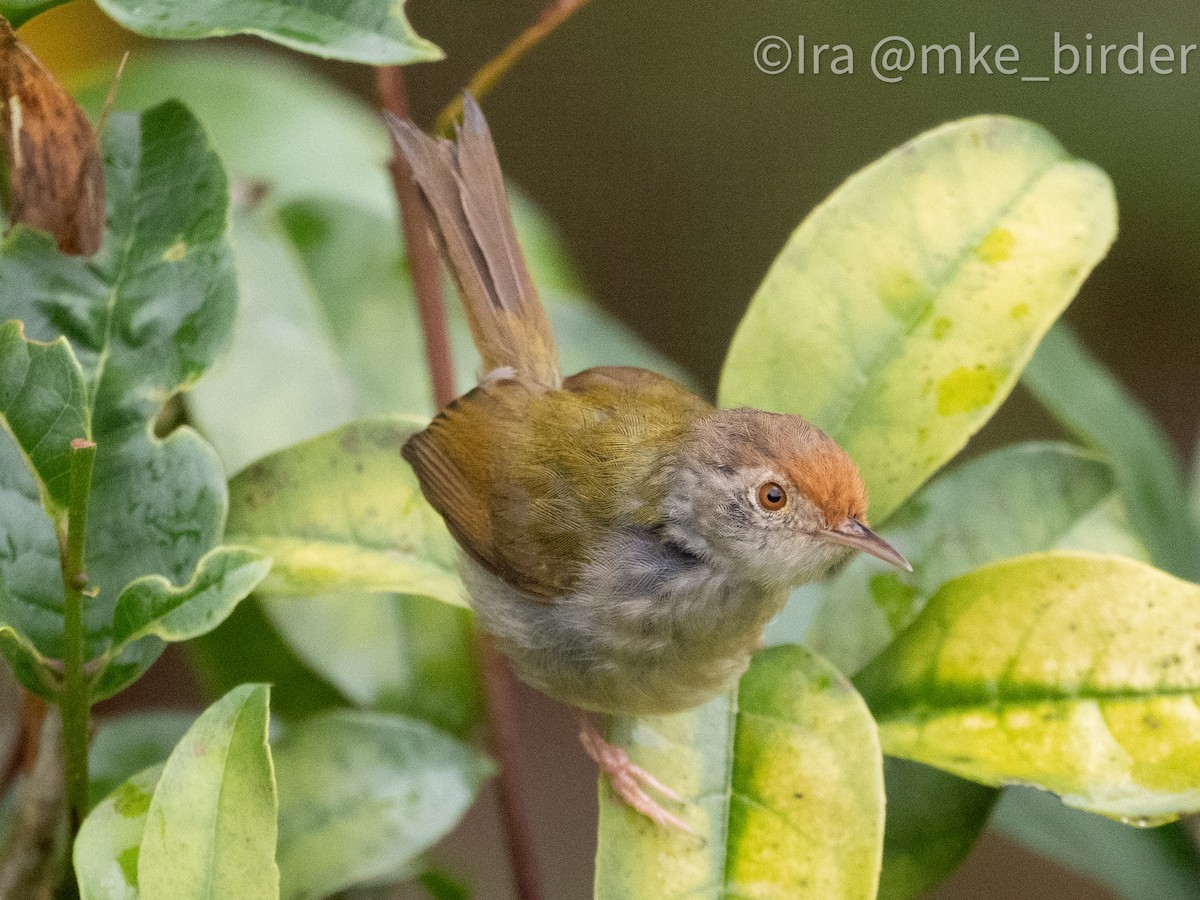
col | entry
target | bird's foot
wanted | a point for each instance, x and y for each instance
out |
(630, 780)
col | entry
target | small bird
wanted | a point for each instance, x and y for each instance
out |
(624, 541)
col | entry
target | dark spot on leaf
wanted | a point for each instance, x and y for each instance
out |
(351, 441)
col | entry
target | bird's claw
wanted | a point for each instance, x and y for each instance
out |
(630, 780)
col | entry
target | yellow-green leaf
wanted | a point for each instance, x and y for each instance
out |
(343, 511)
(784, 782)
(109, 843)
(1019, 499)
(1073, 672)
(211, 825)
(901, 312)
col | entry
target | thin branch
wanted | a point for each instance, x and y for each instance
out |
(497, 681)
(503, 742)
(552, 15)
(111, 99)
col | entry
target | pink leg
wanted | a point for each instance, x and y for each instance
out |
(630, 780)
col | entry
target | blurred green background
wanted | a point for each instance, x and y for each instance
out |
(675, 170)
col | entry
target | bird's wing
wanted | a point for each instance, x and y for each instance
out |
(531, 480)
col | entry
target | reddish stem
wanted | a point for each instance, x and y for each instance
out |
(497, 680)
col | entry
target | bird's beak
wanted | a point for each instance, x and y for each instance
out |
(853, 533)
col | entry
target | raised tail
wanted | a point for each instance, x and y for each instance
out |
(463, 190)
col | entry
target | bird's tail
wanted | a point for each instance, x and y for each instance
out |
(463, 190)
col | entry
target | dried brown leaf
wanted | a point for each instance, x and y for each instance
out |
(54, 168)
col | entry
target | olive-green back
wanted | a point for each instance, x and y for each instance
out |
(529, 479)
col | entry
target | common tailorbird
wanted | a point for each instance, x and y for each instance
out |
(623, 540)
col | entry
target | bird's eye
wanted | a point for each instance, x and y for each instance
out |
(772, 497)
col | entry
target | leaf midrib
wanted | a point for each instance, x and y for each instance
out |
(890, 349)
(120, 275)
(897, 710)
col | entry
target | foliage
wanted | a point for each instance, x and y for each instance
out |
(1033, 643)
(784, 783)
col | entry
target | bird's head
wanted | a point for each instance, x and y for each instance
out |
(771, 495)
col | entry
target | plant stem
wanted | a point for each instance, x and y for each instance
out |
(497, 680)
(553, 14)
(75, 703)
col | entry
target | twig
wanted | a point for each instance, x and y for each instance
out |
(553, 14)
(75, 702)
(111, 99)
(497, 681)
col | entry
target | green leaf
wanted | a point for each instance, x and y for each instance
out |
(128, 744)
(397, 653)
(31, 584)
(1105, 529)
(18, 12)
(211, 827)
(281, 338)
(1091, 403)
(361, 794)
(784, 783)
(152, 612)
(363, 31)
(1020, 499)
(933, 820)
(145, 316)
(31, 668)
(1072, 672)
(44, 407)
(344, 511)
(1137, 863)
(901, 312)
(109, 843)
(245, 647)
